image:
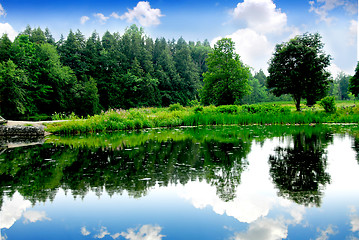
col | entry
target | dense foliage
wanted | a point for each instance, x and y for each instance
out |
(41, 76)
(298, 67)
(226, 80)
(354, 82)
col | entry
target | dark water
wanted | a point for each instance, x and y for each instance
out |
(259, 182)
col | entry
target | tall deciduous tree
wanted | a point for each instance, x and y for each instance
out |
(298, 68)
(354, 82)
(226, 80)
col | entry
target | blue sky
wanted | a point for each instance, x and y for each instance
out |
(256, 26)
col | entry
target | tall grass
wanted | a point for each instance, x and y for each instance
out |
(261, 114)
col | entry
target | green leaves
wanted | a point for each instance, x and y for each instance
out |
(298, 68)
(354, 82)
(226, 80)
(13, 96)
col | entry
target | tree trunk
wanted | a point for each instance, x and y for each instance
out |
(297, 103)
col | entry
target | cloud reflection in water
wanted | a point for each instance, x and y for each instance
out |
(145, 232)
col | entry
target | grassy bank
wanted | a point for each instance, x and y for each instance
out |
(177, 115)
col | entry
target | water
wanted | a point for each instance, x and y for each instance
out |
(199, 183)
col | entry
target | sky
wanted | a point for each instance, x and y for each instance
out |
(256, 26)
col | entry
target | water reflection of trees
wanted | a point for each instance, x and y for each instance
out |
(37, 172)
(136, 162)
(298, 171)
(356, 145)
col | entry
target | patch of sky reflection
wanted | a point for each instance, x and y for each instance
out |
(195, 210)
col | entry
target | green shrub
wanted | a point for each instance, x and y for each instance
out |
(175, 107)
(227, 109)
(265, 108)
(328, 103)
(194, 103)
(198, 109)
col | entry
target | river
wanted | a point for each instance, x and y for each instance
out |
(235, 182)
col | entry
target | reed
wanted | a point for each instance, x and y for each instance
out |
(174, 116)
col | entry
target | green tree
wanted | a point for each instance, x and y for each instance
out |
(298, 68)
(85, 98)
(354, 82)
(72, 52)
(258, 94)
(58, 79)
(49, 38)
(226, 80)
(262, 78)
(187, 70)
(343, 80)
(12, 90)
(165, 71)
(5, 48)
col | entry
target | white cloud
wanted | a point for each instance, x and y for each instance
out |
(253, 48)
(261, 16)
(351, 7)
(262, 26)
(8, 29)
(353, 30)
(101, 17)
(116, 235)
(323, 7)
(144, 14)
(34, 216)
(84, 19)
(2, 11)
(245, 208)
(84, 231)
(268, 229)
(103, 233)
(334, 70)
(354, 221)
(324, 234)
(146, 232)
(12, 210)
(115, 15)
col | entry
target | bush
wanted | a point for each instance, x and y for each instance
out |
(264, 108)
(227, 109)
(328, 103)
(194, 103)
(175, 107)
(198, 109)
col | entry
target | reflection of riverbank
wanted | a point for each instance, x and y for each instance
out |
(20, 141)
(24, 128)
(88, 192)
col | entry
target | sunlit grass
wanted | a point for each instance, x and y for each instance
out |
(261, 114)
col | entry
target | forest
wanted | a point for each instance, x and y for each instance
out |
(40, 76)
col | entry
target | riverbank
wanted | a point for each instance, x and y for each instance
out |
(25, 128)
(176, 116)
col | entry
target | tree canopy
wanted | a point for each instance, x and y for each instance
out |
(354, 82)
(226, 80)
(298, 67)
(86, 75)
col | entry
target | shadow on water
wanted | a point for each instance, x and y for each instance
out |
(135, 162)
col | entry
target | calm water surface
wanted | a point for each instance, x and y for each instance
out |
(199, 183)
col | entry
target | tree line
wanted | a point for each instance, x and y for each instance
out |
(39, 75)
